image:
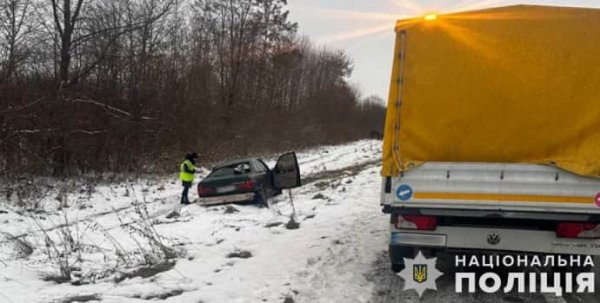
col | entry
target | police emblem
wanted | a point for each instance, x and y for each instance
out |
(420, 274)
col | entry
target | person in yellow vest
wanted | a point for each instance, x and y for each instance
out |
(187, 169)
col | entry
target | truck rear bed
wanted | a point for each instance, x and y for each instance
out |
(492, 207)
(480, 189)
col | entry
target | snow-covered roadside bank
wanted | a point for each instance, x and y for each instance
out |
(157, 192)
(325, 260)
(244, 256)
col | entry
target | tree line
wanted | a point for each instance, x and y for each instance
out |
(120, 85)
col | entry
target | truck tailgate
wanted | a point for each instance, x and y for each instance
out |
(497, 187)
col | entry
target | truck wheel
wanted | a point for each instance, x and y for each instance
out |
(398, 267)
(397, 255)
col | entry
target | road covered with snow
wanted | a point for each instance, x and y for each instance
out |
(120, 243)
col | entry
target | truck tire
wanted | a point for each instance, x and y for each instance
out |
(397, 255)
(398, 267)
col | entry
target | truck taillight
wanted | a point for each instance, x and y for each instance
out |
(578, 230)
(248, 185)
(204, 190)
(414, 222)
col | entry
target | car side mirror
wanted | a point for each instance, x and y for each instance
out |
(286, 173)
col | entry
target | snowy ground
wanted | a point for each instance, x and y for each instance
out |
(222, 254)
(341, 231)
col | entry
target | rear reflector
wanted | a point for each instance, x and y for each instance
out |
(388, 185)
(578, 230)
(414, 222)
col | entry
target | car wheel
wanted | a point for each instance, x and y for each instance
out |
(262, 198)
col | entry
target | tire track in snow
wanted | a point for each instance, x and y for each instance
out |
(340, 267)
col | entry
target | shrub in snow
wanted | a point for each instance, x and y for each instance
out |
(155, 251)
(13, 247)
(66, 243)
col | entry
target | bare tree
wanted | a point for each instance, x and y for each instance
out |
(15, 25)
(118, 84)
(66, 16)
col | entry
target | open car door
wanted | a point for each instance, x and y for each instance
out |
(286, 173)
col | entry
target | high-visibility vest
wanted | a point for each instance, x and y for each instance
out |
(183, 175)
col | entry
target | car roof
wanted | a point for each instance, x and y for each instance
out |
(233, 162)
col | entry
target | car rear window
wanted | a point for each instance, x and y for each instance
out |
(231, 170)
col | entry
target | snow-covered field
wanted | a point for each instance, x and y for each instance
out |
(121, 245)
(221, 254)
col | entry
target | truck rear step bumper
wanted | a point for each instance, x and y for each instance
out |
(516, 240)
(414, 239)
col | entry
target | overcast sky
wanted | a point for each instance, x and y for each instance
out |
(364, 29)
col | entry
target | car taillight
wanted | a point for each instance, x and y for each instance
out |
(578, 230)
(414, 222)
(248, 185)
(204, 190)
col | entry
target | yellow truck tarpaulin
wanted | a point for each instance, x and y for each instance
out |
(517, 84)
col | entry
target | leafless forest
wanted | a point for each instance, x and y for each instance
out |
(122, 85)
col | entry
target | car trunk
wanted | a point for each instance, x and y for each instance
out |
(226, 185)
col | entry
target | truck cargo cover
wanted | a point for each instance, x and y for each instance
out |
(516, 84)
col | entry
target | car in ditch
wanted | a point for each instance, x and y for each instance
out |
(249, 181)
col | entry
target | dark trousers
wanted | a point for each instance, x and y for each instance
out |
(184, 194)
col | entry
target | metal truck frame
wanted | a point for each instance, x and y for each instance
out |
(492, 138)
(491, 207)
